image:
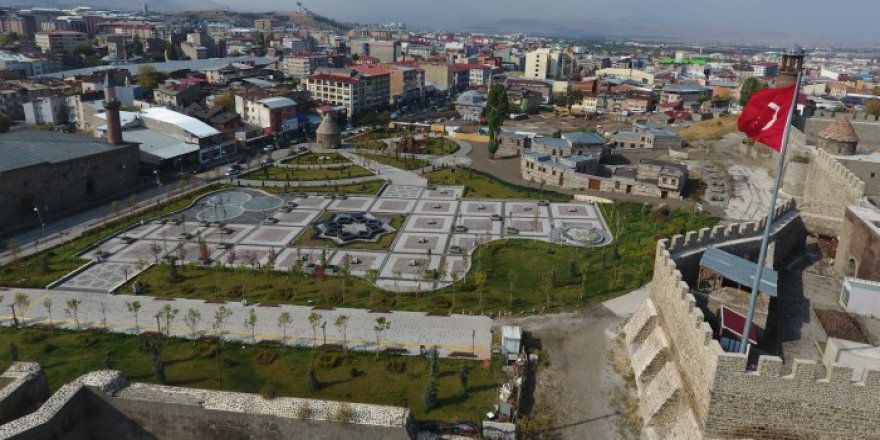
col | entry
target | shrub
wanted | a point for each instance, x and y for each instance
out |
(343, 414)
(267, 391)
(328, 360)
(353, 372)
(304, 412)
(85, 340)
(48, 348)
(33, 337)
(395, 366)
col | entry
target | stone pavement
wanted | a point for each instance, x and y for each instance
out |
(411, 331)
(439, 232)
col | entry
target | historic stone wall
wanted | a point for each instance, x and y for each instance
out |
(829, 188)
(103, 405)
(24, 389)
(690, 388)
(766, 404)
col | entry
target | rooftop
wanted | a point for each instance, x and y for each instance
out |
(841, 130)
(187, 123)
(584, 137)
(277, 102)
(24, 148)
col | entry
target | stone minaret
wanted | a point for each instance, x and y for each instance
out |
(798, 158)
(111, 108)
(792, 63)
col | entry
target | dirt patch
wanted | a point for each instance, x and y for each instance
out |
(579, 383)
(841, 325)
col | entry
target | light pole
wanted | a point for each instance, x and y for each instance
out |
(324, 331)
(40, 217)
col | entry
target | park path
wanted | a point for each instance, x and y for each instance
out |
(410, 331)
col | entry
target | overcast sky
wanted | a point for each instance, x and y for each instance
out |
(849, 18)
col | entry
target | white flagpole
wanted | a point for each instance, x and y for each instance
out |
(765, 241)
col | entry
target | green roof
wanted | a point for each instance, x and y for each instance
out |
(695, 61)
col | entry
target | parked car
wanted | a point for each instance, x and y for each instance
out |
(268, 161)
(269, 148)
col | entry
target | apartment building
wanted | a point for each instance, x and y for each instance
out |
(385, 51)
(275, 114)
(542, 63)
(56, 41)
(303, 64)
(406, 83)
(357, 90)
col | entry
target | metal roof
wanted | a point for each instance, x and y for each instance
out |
(584, 137)
(23, 148)
(739, 270)
(188, 123)
(277, 102)
(168, 66)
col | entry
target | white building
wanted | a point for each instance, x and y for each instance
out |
(542, 64)
(50, 111)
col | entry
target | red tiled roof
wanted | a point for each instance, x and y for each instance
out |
(371, 69)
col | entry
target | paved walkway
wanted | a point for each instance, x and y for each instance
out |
(409, 330)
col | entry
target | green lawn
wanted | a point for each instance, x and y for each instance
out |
(307, 239)
(65, 355)
(372, 187)
(403, 162)
(316, 159)
(441, 146)
(537, 268)
(294, 175)
(480, 185)
(372, 145)
(44, 267)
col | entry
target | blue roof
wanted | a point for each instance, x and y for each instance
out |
(739, 270)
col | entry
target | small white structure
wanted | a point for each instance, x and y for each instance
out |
(861, 297)
(851, 354)
(511, 341)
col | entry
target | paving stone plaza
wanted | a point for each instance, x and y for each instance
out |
(438, 227)
(243, 227)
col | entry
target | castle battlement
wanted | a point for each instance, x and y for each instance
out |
(722, 233)
(712, 384)
(830, 163)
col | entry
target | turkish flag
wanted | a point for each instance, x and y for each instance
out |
(765, 116)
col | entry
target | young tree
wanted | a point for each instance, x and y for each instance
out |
(342, 323)
(314, 322)
(155, 249)
(147, 77)
(455, 278)
(192, 319)
(71, 310)
(284, 321)
(13, 352)
(134, 307)
(480, 281)
(382, 324)
(138, 46)
(220, 316)
(749, 87)
(295, 274)
(168, 314)
(372, 277)
(22, 302)
(226, 100)
(47, 304)
(159, 369)
(251, 322)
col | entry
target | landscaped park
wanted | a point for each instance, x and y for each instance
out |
(410, 268)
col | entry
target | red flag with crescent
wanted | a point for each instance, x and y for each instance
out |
(765, 116)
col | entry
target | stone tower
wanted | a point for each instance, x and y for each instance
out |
(792, 63)
(111, 108)
(328, 133)
(797, 161)
(839, 138)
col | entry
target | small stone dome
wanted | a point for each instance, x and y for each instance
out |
(839, 138)
(328, 133)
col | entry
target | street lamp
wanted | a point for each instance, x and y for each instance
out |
(156, 173)
(40, 217)
(324, 330)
